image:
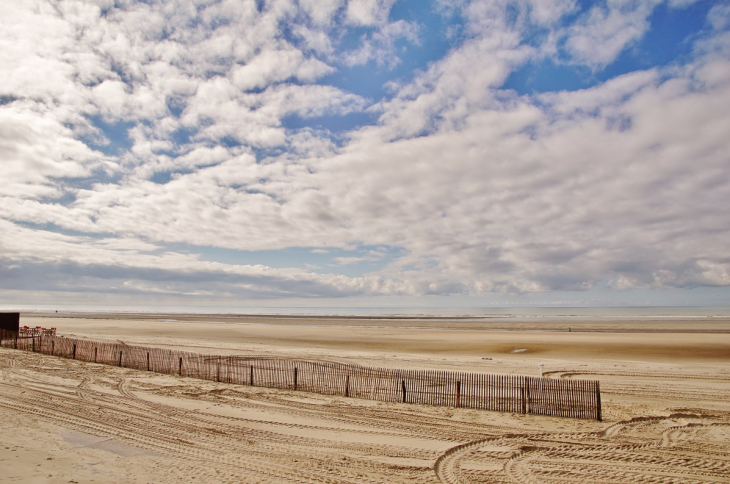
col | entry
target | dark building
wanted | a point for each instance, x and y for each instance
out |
(10, 321)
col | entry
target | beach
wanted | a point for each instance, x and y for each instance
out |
(664, 386)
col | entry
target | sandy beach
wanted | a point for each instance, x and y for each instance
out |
(664, 389)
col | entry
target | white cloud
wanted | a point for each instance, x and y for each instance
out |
(368, 12)
(278, 65)
(606, 30)
(719, 16)
(314, 39)
(380, 45)
(309, 101)
(321, 12)
(111, 97)
(547, 12)
(256, 118)
(464, 80)
(681, 3)
(38, 150)
(611, 93)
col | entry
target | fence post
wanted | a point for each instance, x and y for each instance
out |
(458, 394)
(598, 401)
(96, 353)
(524, 404)
(403, 383)
(120, 358)
(218, 370)
(295, 378)
(528, 404)
(347, 386)
(53, 346)
(148, 361)
(251, 375)
(180, 370)
(74, 353)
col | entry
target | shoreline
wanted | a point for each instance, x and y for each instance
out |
(648, 325)
(397, 312)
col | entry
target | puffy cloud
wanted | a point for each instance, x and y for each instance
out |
(276, 66)
(380, 45)
(220, 110)
(719, 16)
(547, 12)
(368, 12)
(610, 27)
(321, 12)
(606, 30)
(38, 151)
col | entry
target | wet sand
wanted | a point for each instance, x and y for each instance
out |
(642, 340)
(664, 386)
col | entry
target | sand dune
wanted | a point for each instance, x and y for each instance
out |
(666, 411)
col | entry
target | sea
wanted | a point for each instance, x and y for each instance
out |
(634, 312)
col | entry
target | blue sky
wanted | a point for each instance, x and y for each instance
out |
(335, 152)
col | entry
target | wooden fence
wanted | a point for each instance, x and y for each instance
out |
(504, 393)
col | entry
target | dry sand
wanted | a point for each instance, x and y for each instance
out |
(665, 388)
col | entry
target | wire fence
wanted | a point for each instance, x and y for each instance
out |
(504, 393)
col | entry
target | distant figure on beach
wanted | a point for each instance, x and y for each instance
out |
(569, 330)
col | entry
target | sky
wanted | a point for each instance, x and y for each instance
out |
(365, 152)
